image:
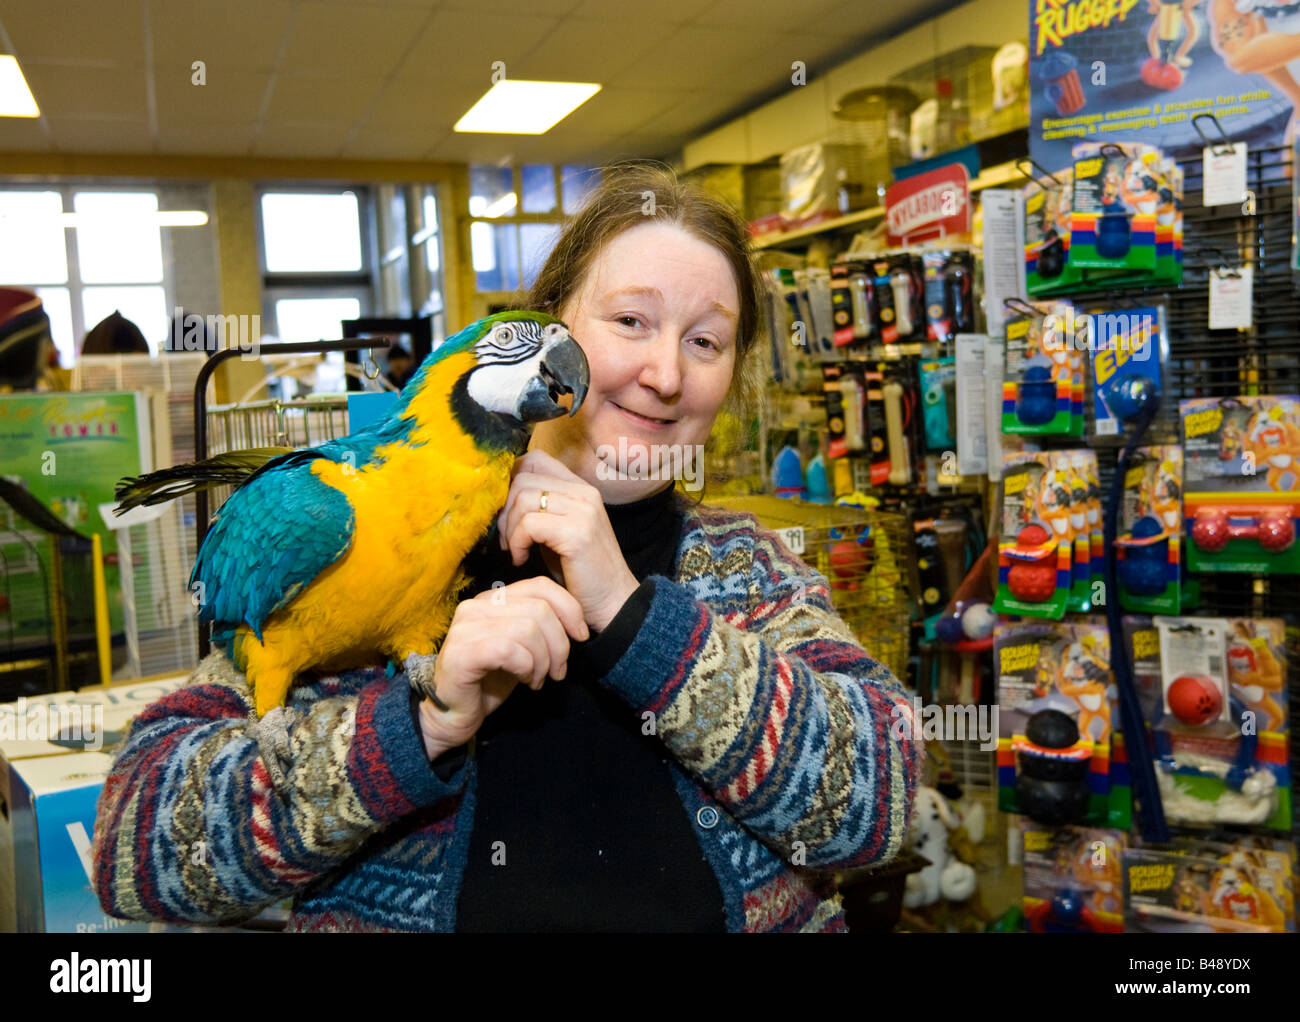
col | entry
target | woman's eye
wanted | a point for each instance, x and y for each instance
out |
(629, 320)
(706, 342)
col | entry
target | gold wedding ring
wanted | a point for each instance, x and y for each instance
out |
(543, 501)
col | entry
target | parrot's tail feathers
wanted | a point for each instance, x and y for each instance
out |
(233, 468)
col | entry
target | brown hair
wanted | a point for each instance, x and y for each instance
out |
(628, 193)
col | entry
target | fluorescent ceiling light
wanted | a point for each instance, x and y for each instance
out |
(525, 108)
(163, 218)
(16, 99)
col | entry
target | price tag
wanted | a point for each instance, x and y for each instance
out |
(1230, 298)
(793, 538)
(1225, 174)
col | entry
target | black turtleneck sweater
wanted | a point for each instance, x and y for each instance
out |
(595, 836)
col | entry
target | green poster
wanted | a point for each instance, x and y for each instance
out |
(68, 450)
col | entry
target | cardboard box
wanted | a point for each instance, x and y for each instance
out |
(55, 752)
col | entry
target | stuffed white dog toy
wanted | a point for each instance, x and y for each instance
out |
(933, 821)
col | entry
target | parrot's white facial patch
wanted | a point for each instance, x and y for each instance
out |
(508, 356)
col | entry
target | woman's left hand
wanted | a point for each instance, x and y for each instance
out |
(577, 540)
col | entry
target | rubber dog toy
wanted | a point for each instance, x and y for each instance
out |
(1114, 236)
(1195, 699)
(1063, 89)
(1052, 790)
(1033, 577)
(1214, 527)
(1036, 395)
(1144, 569)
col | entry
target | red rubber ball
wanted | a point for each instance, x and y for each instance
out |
(1033, 582)
(1276, 533)
(1210, 531)
(1195, 699)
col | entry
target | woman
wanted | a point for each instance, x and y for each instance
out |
(697, 737)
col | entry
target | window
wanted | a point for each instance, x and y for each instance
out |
(317, 267)
(88, 253)
(516, 219)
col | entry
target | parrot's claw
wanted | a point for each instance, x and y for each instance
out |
(272, 735)
(419, 670)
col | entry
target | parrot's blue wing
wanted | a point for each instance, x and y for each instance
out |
(275, 534)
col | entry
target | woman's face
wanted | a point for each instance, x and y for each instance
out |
(656, 317)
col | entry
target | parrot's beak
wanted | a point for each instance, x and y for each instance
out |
(561, 370)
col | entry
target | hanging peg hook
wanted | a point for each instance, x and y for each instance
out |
(370, 365)
(1038, 167)
(1224, 145)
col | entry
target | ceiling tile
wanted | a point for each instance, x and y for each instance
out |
(411, 105)
(322, 139)
(380, 145)
(697, 58)
(591, 50)
(229, 95)
(82, 29)
(23, 135)
(613, 111)
(766, 15)
(242, 35)
(694, 113)
(338, 38)
(675, 11)
(461, 46)
(215, 138)
(550, 8)
(304, 97)
(62, 90)
(101, 135)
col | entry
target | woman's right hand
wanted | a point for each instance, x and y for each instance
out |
(507, 636)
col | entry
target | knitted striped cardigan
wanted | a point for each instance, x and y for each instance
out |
(782, 733)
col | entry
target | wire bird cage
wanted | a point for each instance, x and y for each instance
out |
(303, 422)
(863, 556)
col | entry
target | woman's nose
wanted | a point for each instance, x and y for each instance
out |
(661, 371)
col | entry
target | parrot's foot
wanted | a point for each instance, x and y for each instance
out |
(272, 735)
(419, 669)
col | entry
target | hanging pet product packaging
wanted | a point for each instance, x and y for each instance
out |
(1170, 891)
(1073, 878)
(939, 401)
(1069, 467)
(949, 294)
(1129, 348)
(1241, 497)
(1252, 869)
(1042, 385)
(1056, 700)
(1150, 541)
(1218, 717)
(1113, 219)
(1048, 210)
(1036, 548)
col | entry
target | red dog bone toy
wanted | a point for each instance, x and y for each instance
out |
(1215, 526)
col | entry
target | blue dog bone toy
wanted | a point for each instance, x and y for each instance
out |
(1145, 566)
(1114, 237)
(1036, 396)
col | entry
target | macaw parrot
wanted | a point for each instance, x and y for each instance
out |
(342, 554)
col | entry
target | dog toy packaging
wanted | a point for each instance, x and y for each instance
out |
(1036, 550)
(1042, 390)
(1048, 208)
(949, 294)
(1151, 533)
(1167, 891)
(1073, 879)
(1241, 498)
(1056, 696)
(1219, 719)
(1129, 348)
(939, 401)
(1265, 869)
(1113, 219)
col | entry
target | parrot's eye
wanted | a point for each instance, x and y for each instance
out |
(505, 334)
